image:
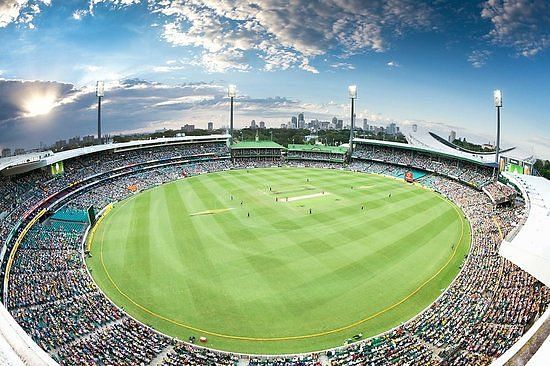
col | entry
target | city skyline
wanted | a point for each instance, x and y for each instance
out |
(430, 64)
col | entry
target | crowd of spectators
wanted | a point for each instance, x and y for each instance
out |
(467, 172)
(318, 156)
(487, 308)
(500, 193)
(314, 164)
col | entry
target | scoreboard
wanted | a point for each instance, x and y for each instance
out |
(515, 166)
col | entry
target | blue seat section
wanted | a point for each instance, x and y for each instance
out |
(70, 214)
(67, 225)
(417, 174)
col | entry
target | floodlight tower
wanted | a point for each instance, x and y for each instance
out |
(100, 93)
(231, 93)
(497, 96)
(352, 90)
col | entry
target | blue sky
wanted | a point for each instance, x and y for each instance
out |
(167, 63)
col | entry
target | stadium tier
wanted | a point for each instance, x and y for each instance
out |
(53, 300)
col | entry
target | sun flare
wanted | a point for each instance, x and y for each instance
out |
(39, 104)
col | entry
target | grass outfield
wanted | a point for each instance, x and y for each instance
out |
(186, 259)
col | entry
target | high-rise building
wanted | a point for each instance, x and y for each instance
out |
(452, 136)
(210, 126)
(339, 124)
(301, 121)
(188, 128)
(21, 151)
(390, 130)
(253, 124)
(294, 122)
(415, 127)
(262, 124)
(365, 124)
(6, 152)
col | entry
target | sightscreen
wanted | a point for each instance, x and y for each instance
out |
(57, 168)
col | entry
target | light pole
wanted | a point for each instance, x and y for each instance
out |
(100, 93)
(231, 93)
(352, 90)
(497, 96)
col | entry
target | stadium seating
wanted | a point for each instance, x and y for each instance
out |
(487, 308)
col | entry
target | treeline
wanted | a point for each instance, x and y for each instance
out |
(543, 167)
(470, 145)
(284, 136)
(281, 136)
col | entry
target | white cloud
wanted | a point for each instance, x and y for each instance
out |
(521, 24)
(478, 58)
(190, 99)
(289, 34)
(393, 64)
(343, 65)
(166, 69)
(20, 11)
(79, 14)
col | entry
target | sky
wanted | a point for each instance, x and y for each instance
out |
(168, 63)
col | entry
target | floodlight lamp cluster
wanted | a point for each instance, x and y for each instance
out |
(232, 91)
(497, 96)
(352, 90)
(100, 89)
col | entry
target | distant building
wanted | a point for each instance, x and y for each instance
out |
(365, 124)
(262, 124)
(74, 141)
(18, 152)
(339, 124)
(391, 129)
(210, 126)
(60, 144)
(6, 152)
(88, 139)
(188, 128)
(452, 136)
(324, 125)
(284, 126)
(253, 124)
(415, 127)
(294, 122)
(301, 121)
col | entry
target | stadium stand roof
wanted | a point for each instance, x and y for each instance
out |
(528, 246)
(27, 162)
(257, 145)
(487, 160)
(459, 148)
(317, 148)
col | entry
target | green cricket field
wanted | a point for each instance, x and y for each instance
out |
(278, 260)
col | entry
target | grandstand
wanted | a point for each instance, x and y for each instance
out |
(52, 312)
(307, 152)
(256, 151)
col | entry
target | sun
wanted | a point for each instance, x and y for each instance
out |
(39, 104)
